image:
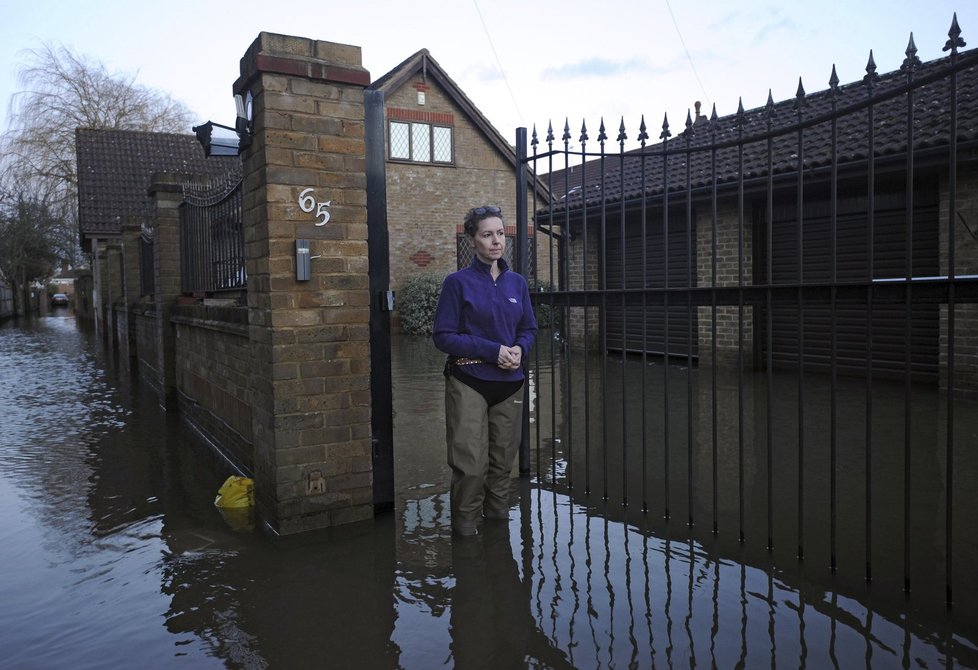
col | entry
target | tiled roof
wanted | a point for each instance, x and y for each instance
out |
(115, 168)
(623, 179)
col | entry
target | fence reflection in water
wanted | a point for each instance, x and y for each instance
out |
(584, 446)
(565, 585)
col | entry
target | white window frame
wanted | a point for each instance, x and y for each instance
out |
(422, 155)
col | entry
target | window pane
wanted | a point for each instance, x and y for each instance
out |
(421, 142)
(442, 141)
(400, 142)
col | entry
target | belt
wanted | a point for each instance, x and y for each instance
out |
(465, 361)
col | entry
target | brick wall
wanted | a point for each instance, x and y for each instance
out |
(213, 364)
(143, 320)
(965, 263)
(120, 321)
(727, 274)
(84, 310)
(583, 272)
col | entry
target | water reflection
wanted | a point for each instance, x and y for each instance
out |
(112, 555)
(630, 453)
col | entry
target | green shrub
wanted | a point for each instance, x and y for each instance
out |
(416, 303)
(543, 311)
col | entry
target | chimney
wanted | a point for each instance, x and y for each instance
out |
(700, 118)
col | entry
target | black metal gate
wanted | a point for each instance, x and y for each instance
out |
(798, 260)
(381, 392)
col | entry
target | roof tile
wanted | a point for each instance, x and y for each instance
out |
(115, 168)
(621, 175)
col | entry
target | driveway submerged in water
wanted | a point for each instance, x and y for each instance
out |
(113, 555)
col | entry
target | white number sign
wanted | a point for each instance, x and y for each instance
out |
(307, 203)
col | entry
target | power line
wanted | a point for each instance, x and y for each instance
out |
(688, 56)
(499, 62)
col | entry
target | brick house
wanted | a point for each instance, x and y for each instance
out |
(443, 156)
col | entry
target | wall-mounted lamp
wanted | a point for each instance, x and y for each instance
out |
(303, 260)
(228, 146)
(217, 146)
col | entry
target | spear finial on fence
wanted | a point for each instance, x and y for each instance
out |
(800, 95)
(584, 136)
(567, 134)
(954, 34)
(911, 61)
(714, 123)
(602, 135)
(689, 123)
(643, 133)
(534, 141)
(834, 81)
(769, 107)
(621, 133)
(871, 76)
(550, 134)
(665, 134)
(741, 117)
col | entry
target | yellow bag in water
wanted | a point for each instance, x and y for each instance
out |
(236, 492)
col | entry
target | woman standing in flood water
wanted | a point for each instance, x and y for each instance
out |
(485, 323)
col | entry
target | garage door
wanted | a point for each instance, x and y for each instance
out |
(852, 321)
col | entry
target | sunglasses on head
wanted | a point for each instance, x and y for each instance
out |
(481, 211)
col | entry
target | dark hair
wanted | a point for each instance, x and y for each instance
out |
(477, 214)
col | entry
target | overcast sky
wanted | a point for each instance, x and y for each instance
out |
(522, 62)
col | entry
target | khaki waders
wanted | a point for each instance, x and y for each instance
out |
(482, 446)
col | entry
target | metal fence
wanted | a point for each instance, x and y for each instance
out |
(736, 267)
(212, 256)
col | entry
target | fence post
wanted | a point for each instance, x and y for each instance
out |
(521, 267)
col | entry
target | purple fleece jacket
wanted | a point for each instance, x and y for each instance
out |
(476, 315)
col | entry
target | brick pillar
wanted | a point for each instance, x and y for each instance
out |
(130, 290)
(98, 283)
(310, 346)
(111, 290)
(131, 231)
(167, 191)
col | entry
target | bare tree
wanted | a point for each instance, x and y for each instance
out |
(63, 91)
(30, 234)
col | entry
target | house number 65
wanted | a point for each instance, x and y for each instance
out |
(307, 203)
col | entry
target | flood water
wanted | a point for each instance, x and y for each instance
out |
(112, 554)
